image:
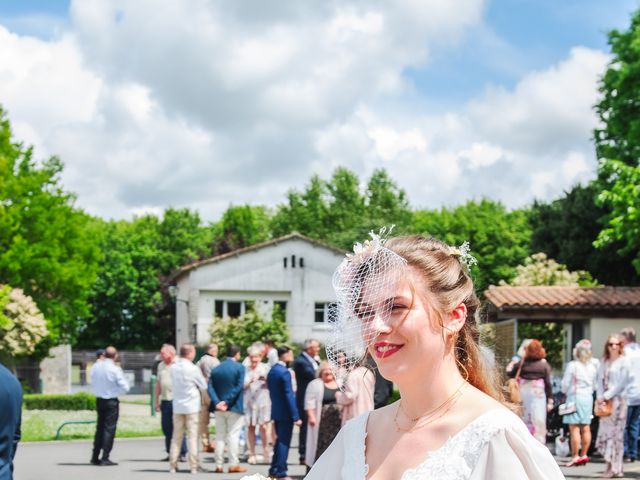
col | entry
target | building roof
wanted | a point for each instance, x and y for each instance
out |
(564, 297)
(292, 236)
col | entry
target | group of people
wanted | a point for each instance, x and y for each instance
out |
(606, 391)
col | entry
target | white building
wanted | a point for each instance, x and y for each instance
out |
(293, 271)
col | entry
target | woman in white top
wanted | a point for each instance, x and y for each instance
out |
(410, 303)
(257, 403)
(578, 384)
(613, 376)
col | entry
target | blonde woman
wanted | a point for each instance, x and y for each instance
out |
(612, 379)
(257, 404)
(323, 413)
(410, 303)
(578, 384)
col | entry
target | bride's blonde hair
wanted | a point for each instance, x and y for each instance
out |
(448, 284)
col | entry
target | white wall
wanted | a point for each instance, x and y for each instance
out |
(601, 328)
(260, 275)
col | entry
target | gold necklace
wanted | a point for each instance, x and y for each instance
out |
(447, 405)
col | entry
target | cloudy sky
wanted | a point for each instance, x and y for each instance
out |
(207, 103)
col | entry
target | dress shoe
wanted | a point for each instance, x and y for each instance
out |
(208, 448)
(237, 469)
(105, 462)
(94, 461)
(219, 470)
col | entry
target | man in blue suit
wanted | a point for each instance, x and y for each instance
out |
(10, 414)
(284, 411)
(226, 384)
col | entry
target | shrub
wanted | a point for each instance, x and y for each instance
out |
(76, 401)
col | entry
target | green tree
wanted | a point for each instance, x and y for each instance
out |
(241, 226)
(565, 230)
(618, 142)
(341, 211)
(619, 105)
(499, 239)
(47, 245)
(623, 197)
(130, 305)
(538, 269)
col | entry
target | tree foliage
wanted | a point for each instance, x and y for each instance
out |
(619, 106)
(341, 211)
(618, 142)
(130, 305)
(622, 196)
(241, 226)
(538, 269)
(565, 230)
(249, 328)
(22, 325)
(47, 245)
(499, 239)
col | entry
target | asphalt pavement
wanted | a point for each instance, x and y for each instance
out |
(141, 459)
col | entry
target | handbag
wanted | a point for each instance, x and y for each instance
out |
(513, 387)
(603, 409)
(570, 407)
(567, 408)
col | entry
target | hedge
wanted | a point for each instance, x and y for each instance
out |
(76, 401)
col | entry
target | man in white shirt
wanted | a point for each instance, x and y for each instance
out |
(187, 382)
(631, 394)
(108, 382)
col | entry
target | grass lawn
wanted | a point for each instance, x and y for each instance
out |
(40, 425)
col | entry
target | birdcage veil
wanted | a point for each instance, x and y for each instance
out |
(364, 283)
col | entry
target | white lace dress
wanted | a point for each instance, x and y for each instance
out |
(495, 446)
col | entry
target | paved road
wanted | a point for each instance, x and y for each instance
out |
(139, 459)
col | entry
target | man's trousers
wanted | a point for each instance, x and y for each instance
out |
(108, 410)
(284, 430)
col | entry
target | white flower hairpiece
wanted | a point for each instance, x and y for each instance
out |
(368, 248)
(462, 252)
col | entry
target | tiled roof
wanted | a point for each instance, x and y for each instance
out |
(178, 273)
(564, 297)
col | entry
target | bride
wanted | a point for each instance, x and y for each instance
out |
(410, 303)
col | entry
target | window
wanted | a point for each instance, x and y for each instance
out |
(324, 311)
(231, 308)
(234, 309)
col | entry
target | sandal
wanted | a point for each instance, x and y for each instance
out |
(575, 461)
(583, 460)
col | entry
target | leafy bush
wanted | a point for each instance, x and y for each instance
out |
(249, 328)
(76, 401)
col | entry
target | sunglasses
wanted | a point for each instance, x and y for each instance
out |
(611, 344)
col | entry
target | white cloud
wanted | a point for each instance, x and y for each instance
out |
(207, 103)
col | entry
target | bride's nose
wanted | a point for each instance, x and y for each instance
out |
(381, 324)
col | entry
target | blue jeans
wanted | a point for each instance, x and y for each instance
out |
(631, 431)
(166, 411)
(284, 431)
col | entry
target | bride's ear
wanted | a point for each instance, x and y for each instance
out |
(456, 318)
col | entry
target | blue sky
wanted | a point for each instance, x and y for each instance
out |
(211, 102)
